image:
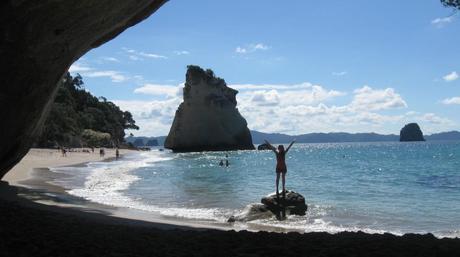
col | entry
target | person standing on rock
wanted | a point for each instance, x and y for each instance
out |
(281, 168)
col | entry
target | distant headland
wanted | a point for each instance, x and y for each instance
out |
(333, 137)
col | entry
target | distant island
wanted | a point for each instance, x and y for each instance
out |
(411, 132)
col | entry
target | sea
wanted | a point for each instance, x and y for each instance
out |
(381, 187)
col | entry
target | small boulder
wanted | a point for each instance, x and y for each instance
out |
(263, 147)
(253, 211)
(293, 203)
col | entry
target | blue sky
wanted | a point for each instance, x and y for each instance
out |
(305, 66)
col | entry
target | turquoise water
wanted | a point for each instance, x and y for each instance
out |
(375, 187)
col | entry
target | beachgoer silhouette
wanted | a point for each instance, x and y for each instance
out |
(101, 152)
(64, 152)
(281, 168)
(226, 161)
(221, 163)
(117, 153)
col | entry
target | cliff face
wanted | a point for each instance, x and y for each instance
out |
(39, 41)
(411, 132)
(207, 119)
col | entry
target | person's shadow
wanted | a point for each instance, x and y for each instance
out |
(281, 212)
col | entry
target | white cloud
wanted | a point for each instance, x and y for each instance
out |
(154, 56)
(340, 73)
(293, 109)
(153, 117)
(261, 98)
(110, 59)
(78, 67)
(251, 48)
(240, 50)
(160, 90)
(367, 98)
(453, 100)
(441, 22)
(115, 76)
(451, 76)
(434, 119)
(140, 55)
(182, 52)
(90, 72)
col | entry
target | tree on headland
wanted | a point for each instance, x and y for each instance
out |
(451, 3)
(78, 118)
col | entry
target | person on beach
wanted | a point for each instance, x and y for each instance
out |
(226, 161)
(64, 152)
(281, 168)
(117, 153)
(221, 163)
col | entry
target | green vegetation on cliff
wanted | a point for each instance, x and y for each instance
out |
(78, 118)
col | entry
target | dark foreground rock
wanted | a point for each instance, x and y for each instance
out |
(39, 40)
(207, 119)
(411, 132)
(47, 232)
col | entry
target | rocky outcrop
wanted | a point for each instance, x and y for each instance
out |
(263, 147)
(39, 42)
(272, 205)
(293, 203)
(411, 132)
(207, 119)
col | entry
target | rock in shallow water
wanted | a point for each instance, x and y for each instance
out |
(263, 147)
(207, 119)
(292, 204)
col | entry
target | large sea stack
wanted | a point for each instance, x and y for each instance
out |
(411, 132)
(207, 119)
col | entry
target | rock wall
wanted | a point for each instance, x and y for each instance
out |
(207, 119)
(411, 132)
(39, 42)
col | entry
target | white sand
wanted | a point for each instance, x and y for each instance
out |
(46, 158)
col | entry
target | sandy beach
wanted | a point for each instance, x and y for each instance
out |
(29, 228)
(45, 158)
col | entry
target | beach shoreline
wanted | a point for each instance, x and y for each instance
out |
(32, 179)
(38, 158)
(30, 216)
(33, 229)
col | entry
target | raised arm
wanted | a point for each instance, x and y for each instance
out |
(289, 147)
(270, 145)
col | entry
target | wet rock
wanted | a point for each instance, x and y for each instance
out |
(293, 203)
(253, 211)
(207, 119)
(263, 147)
